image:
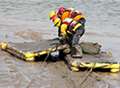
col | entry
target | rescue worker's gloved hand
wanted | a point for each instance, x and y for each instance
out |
(62, 40)
(67, 50)
(63, 35)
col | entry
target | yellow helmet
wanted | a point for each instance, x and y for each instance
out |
(57, 22)
(52, 13)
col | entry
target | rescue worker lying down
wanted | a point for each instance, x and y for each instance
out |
(70, 25)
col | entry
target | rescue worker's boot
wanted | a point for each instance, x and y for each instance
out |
(76, 52)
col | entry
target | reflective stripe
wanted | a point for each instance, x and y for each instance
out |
(73, 24)
(64, 28)
(69, 32)
(68, 20)
(57, 22)
(78, 25)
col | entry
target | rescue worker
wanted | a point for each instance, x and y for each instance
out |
(70, 29)
(63, 13)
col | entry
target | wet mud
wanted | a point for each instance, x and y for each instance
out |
(16, 73)
(36, 36)
(26, 22)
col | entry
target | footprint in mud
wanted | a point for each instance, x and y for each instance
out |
(29, 34)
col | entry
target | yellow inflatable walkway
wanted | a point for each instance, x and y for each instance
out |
(29, 56)
(74, 65)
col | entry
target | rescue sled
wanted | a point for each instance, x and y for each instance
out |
(102, 66)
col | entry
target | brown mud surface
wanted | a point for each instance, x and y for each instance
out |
(26, 21)
(16, 73)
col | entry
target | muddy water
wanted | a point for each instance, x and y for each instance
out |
(27, 21)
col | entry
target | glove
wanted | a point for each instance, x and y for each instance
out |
(70, 32)
(62, 39)
(64, 35)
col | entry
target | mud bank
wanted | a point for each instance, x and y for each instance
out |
(16, 73)
(25, 21)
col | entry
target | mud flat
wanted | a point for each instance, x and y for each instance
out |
(21, 74)
(25, 21)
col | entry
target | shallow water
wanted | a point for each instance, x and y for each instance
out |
(27, 21)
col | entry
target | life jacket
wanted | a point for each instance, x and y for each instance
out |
(69, 26)
(74, 13)
(77, 16)
(64, 25)
(74, 25)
